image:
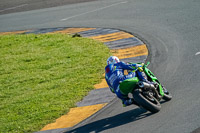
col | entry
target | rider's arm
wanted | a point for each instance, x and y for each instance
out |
(128, 66)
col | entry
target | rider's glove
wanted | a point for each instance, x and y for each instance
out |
(140, 69)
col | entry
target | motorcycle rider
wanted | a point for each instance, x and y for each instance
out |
(114, 75)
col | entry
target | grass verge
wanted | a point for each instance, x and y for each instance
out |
(43, 76)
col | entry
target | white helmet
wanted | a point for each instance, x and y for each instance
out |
(112, 60)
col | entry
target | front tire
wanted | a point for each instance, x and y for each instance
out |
(167, 97)
(150, 104)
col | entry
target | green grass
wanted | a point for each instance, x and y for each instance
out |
(43, 76)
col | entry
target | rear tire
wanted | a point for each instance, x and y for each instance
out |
(150, 105)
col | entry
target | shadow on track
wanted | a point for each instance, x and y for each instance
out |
(111, 122)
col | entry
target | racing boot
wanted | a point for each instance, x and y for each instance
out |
(129, 101)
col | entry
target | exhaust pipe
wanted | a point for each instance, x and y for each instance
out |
(145, 85)
(150, 86)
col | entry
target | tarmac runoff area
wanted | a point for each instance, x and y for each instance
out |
(122, 44)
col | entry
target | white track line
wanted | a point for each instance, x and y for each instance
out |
(13, 7)
(93, 10)
(197, 53)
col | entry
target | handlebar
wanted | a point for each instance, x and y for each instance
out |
(146, 65)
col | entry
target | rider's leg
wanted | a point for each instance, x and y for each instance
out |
(126, 101)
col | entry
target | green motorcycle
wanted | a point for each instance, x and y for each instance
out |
(146, 95)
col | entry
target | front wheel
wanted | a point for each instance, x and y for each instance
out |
(167, 96)
(147, 101)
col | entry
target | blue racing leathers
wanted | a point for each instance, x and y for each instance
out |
(114, 75)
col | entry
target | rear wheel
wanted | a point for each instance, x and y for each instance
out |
(146, 100)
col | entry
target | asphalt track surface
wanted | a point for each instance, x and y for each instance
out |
(171, 30)
(11, 6)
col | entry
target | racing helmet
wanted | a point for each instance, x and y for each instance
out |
(112, 60)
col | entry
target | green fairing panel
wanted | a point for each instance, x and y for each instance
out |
(150, 74)
(154, 79)
(128, 85)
